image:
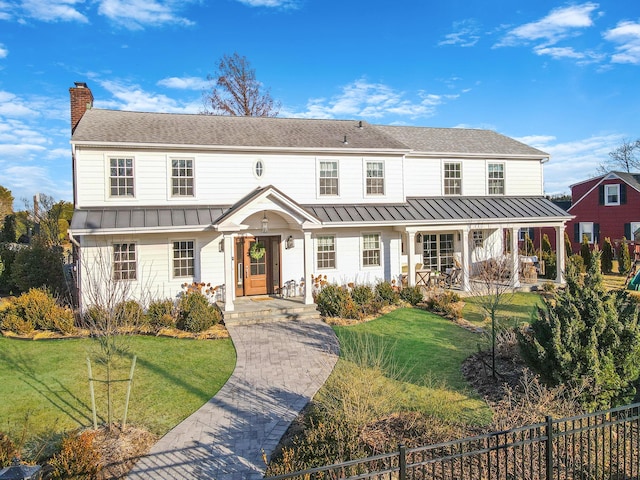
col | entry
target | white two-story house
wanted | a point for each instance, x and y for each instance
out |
(251, 204)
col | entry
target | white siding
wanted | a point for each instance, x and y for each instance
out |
(223, 179)
(524, 177)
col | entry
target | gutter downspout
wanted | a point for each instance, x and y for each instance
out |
(76, 244)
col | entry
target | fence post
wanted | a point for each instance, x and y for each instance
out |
(403, 461)
(549, 459)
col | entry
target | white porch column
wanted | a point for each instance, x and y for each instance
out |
(308, 268)
(466, 260)
(411, 253)
(515, 260)
(229, 273)
(560, 254)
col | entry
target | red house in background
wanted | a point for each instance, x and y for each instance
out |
(605, 206)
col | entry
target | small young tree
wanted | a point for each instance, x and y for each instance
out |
(607, 256)
(587, 335)
(624, 257)
(492, 286)
(529, 248)
(549, 257)
(585, 251)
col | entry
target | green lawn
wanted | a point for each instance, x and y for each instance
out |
(45, 382)
(517, 308)
(429, 350)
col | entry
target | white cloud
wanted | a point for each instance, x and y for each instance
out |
(573, 161)
(465, 34)
(560, 23)
(4, 52)
(372, 100)
(54, 10)
(627, 36)
(13, 106)
(137, 14)
(134, 98)
(184, 83)
(26, 180)
(568, 52)
(270, 3)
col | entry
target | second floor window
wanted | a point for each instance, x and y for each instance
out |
(496, 179)
(612, 194)
(182, 178)
(328, 178)
(452, 179)
(326, 251)
(371, 250)
(375, 178)
(121, 177)
(183, 258)
(124, 261)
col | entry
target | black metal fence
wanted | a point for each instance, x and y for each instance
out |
(601, 445)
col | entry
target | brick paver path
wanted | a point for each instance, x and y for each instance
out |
(280, 366)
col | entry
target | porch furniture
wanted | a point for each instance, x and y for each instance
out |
(423, 278)
(452, 277)
(436, 280)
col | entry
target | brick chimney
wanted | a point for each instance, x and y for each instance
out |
(81, 101)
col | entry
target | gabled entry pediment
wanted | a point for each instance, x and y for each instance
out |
(268, 202)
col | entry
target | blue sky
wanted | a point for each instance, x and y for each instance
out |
(564, 77)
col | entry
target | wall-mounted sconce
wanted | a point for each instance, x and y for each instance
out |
(288, 244)
(265, 223)
(419, 238)
(221, 245)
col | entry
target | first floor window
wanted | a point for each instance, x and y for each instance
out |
(183, 258)
(326, 252)
(586, 230)
(375, 178)
(452, 179)
(124, 261)
(182, 177)
(496, 179)
(437, 251)
(328, 178)
(121, 177)
(371, 250)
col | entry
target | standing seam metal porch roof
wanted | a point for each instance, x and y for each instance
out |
(416, 211)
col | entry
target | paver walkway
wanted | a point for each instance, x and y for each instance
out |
(280, 366)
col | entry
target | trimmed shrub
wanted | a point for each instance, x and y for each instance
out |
(195, 313)
(37, 309)
(607, 256)
(387, 294)
(129, 314)
(362, 295)
(331, 300)
(578, 262)
(446, 303)
(161, 314)
(412, 295)
(39, 266)
(78, 458)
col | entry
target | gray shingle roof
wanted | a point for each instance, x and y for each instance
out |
(459, 140)
(116, 126)
(632, 179)
(181, 129)
(431, 211)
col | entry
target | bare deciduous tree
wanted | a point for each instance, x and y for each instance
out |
(492, 283)
(237, 92)
(625, 157)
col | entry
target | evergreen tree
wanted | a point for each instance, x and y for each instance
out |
(529, 248)
(567, 246)
(8, 232)
(607, 256)
(586, 336)
(585, 251)
(624, 257)
(549, 257)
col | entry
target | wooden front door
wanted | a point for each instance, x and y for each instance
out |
(255, 276)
